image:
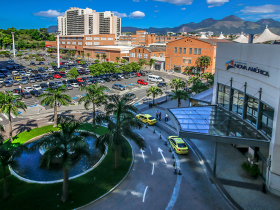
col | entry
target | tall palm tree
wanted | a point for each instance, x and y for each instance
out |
(152, 62)
(193, 79)
(83, 54)
(95, 96)
(65, 145)
(9, 105)
(203, 62)
(104, 56)
(154, 91)
(207, 75)
(199, 87)
(121, 125)
(88, 56)
(180, 95)
(177, 83)
(98, 56)
(52, 97)
(117, 59)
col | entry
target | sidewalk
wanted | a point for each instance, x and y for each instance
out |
(229, 172)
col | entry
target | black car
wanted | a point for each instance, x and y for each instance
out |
(38, 75)
(63, 75)
(8, 84)
(41, 69)
(81, 83)
(143, 73)
(32, 64)
(107, 79)
(80, 72)
(38, 79)
(44, 85)
(118, 78)
(9, 67)
(50, 77)
(26, 95)
(17, 90)
(35, 93)
(41, 63)
(67, 82)
(162, 84)
(44, 78)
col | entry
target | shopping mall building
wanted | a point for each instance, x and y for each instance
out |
(245, 107)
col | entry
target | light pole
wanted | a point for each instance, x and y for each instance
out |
(13, 33)
(57, 49)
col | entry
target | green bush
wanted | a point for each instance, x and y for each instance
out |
(253, 170)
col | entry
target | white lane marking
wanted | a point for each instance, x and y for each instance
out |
(49, 122)
(150, 149)
(140, 135)
(13, 116)
(6, 116)
(160, 150)
(143, 154)
(174, 194)
(145, 194)
(153, 169)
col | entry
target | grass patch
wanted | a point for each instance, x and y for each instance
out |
(83, 189)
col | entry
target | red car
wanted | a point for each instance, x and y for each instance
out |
(142, 82)
(138, 74)
(57, 76)
(80, 80)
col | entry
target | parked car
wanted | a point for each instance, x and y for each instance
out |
(138, 74)
(142, 82)
(118, 87)
(36, 87)
(26, 95)
(44, 85)
(8, 84)
(31, 80)
(41, 63)
(23, 81)
(27, 89)
(69, 87)
(57, 76)
(75, 85)
(38, 79)
(32, 64)
(162, 84)
(130, 95)
(35, 93)
(50, 77)
(58, 83)
(17, 90)
(17, 96)
(16, 83)
(99, 80)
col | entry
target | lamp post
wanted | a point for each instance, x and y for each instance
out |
(57, 49)
(13, 33)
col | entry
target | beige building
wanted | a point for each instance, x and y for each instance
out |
(87, 21)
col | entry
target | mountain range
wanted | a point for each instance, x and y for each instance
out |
(228, 25)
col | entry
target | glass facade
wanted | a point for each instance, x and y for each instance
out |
(223, 96)
(267, 120)
(252, 110)
(237, 102)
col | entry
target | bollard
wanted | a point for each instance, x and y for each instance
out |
(154, 130)
(174, 164)
(173, 155)
(263, 188)
(146, 125)
(179, 172)
(165, 143)
(175, 172)
(160, 136)
(170, 149)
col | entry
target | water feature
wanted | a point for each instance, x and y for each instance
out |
(28, 165)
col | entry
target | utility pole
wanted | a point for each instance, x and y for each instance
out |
(57, 49)
(13, 36)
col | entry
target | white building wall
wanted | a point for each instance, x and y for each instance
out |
(265, 57)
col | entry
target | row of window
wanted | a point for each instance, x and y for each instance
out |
(98, 38)
(139, 55)
(251, 108)
(73, 43)
(187, 61)
(196, 51)
(73, 38)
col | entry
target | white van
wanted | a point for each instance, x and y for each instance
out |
(155, 78)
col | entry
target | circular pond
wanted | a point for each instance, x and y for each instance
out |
(28, 164)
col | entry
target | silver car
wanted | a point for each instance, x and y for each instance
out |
(118, 86)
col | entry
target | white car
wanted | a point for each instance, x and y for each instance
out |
(44, 74)
(27, 74)
(27, 89)
(36, 87)
(121, 76)
(15, 73)
(75, 85)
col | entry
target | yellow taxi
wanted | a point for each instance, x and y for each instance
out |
(17, 78)
(146, 118)
(178, 145)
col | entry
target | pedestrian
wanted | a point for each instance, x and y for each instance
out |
(166, 117)
(159, 116)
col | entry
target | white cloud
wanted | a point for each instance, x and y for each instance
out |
(49, 13)
(119, 15)
(156, 6)
(264, 9)
(137, 15)
(273, 16)
(136, 0)
(157, 11)
(183, 8)
(216, 3)
(178, 2)
(240, 5)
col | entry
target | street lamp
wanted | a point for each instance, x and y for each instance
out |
(13, 33)
(57, 49)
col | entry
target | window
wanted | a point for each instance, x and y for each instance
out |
(190, 61)
(223, 96)
(184, 50)
(80, 38)
(135, 50)
(96, 43)
(88, 38)
(110, 39)
(132, 55)
(73, 43)
(63, 42)
(175, 50)
(73, 38)
(252, 110)
(68, 42)
(195, 51)
(103, 38)
(80, 43)
(96, 38)
(146, 56)
(267, 120)
(237, 102)
(69, 38)
(180, 50)
(88, 43)
(63, 38)
(190, 50)
(139, 55)
(154, 55)
(199, 51)
(143, 50)
(184, 60)
(139, 50)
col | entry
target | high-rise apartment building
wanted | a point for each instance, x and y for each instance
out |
(87, 21)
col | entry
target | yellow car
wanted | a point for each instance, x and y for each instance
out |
(146, 118)
(17, 78)
(79, 58)
(178, 145)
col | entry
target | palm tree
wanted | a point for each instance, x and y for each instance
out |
(123, 61)
(117, 59)
(154, 91)
(203, 62)
(9, 105)
(193, 79)
(88, 56)
(122, 124)
(61, 51)
(199, 87)
(52, 97)
(98, 56)
(104, 56)
(177, 83)
(83, 54)
(180, 95)
(65, 145)
(206, 75)
(151, 62)
(95, 96)
(8, 152)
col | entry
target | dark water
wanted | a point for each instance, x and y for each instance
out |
(28, 165)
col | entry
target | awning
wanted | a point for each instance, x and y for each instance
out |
(204, 97)
(213, 123)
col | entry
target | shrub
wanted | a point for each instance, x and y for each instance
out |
(252, 169)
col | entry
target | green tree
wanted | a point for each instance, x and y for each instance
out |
(88, 56)
(199, 87)
(207, 76)
(72, 73)
(122, 125)
(95, 96)
(61, 51)
(142, 62)
(193, 79)
(97, 69)
(10, 105)
(97, 56)
(180, 95)
(203, 62)
(53, 64)
(63, 144)
(152, 62)
(52, 97)
(83, 54)
(154, 91)
(96, 61)
(104, 56)
(177, 83)
(123, 61)
(82, 62)
(50, 50)
(117, 59)
(8, 152)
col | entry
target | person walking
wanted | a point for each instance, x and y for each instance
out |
(159, 116)
(166, 117)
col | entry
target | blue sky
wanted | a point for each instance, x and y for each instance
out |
(137, 13)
